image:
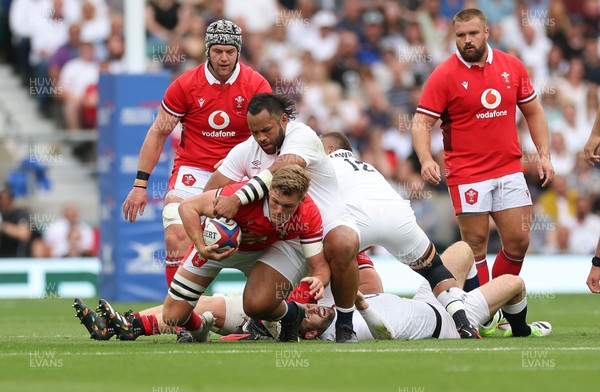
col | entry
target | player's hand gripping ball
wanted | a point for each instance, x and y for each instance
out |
(224, 232)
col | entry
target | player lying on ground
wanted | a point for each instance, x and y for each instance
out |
(229, 317)
(422, 317)
(419, 318)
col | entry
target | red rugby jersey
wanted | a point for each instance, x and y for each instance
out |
(213, 115)
(477, 107)
(304, 224)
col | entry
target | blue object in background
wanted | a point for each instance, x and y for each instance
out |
(132, 254)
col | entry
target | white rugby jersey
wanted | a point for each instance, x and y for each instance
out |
(358, 180)
(247, 159)
(409, 319)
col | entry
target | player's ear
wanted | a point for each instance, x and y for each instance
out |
(309, 335)
(284, 118)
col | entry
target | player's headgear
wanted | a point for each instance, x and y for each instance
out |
(223, 32)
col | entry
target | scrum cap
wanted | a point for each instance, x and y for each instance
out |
(223, 32)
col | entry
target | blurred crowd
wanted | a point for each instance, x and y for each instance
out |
(354, 66)
(23, 234)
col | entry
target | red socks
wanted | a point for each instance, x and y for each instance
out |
(193, 323)
(150, 323)
(506, 264)
(483, 273)
(172, 264)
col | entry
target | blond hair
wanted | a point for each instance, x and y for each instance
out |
(469, 13)
(291, 180)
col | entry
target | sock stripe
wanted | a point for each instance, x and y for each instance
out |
(511, 258)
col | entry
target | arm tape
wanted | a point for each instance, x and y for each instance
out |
(256, 188)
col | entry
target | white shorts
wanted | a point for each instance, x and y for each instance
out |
(392, 225)
(344, 220)
(476, 307)
(187, 181)
(493, 195)
(286, 257)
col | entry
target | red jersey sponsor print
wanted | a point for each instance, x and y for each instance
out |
(477, 108)
(304, 224)
(213, 115)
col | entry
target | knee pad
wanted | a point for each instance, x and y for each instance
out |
(170, 215)
(435, 272)
(183, 289)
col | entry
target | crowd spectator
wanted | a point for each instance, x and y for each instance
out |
(354, 66)
(15, 230)
(77, 80)
(68, 236)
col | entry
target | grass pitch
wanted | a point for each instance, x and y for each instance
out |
(43, 348)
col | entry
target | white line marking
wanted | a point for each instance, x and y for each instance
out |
(305, 349)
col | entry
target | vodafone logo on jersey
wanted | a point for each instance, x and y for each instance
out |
(218, 120)
(490, 99)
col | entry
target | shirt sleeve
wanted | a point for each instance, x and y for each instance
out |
(233, 166)
(526, 91)
(174, 101)
(305, 143)
(264, 87)
(313, 224)
(434, 98)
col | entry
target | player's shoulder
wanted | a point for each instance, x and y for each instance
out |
(503, 56)
(449, 67)
(507, 60)
(194, 75)
(308, 212)
(308, 206)
(448, 70)
(250, 76)
(297, 128)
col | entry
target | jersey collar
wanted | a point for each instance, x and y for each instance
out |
(266, 210)
(490, 57)
(212, 80)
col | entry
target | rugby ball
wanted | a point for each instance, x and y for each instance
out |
(224, 232)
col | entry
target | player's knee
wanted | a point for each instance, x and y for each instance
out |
(257, 308)
(340, 251)
(477, 242)
(176, 240)
(464, 249)
(512, 284)
(518, 245)
(435, 272)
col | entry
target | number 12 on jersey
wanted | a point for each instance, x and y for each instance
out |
(356, 165)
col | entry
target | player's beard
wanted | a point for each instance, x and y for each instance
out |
(280, 138)
(473, 56)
